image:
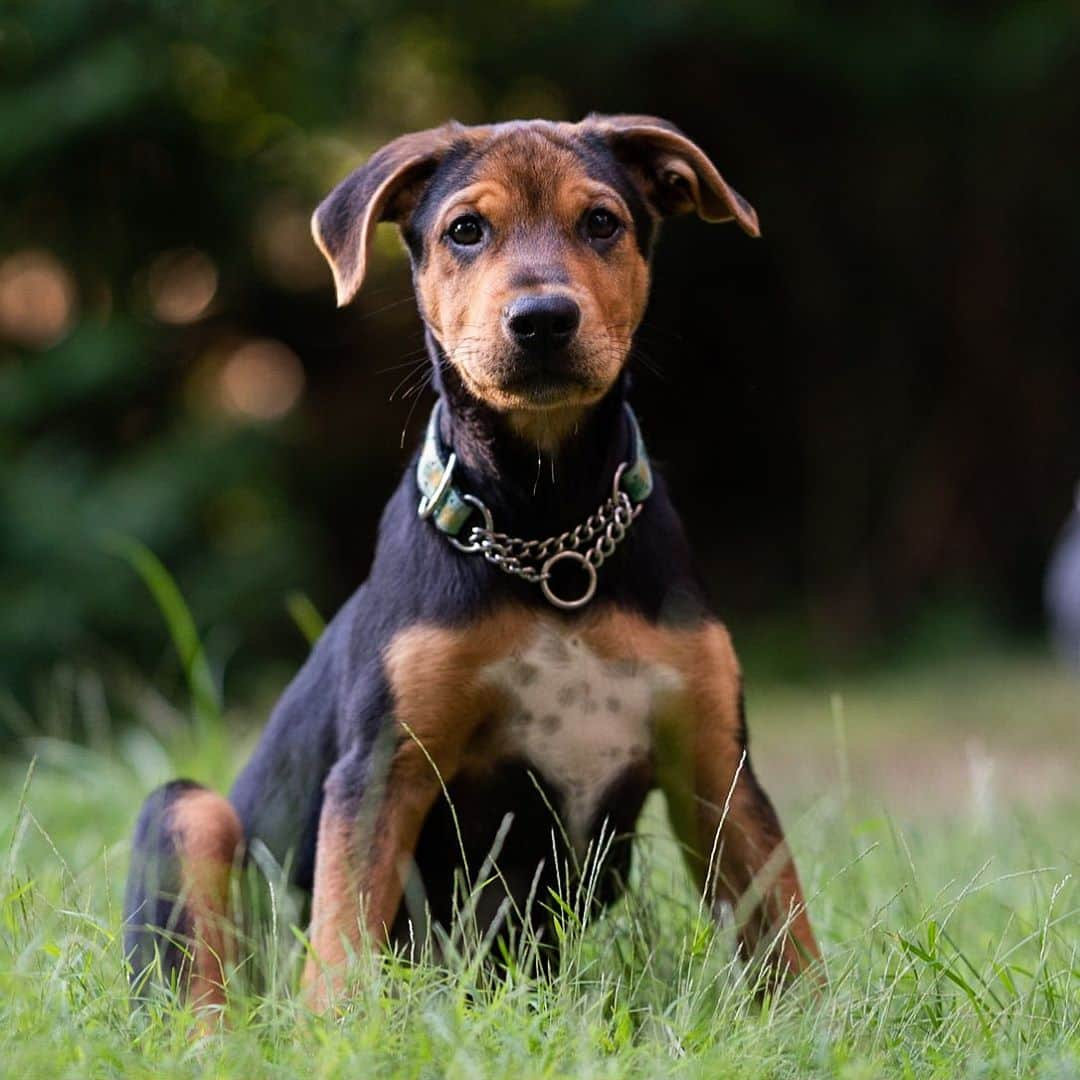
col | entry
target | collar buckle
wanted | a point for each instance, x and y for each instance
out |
(489, 527)
(428, 503)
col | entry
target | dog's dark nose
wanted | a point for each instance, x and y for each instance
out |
(542, 323)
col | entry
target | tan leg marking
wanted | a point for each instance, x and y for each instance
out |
(702, 769)
(208, 837)
(364, 849)
(335, 896)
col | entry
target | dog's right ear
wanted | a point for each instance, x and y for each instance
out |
(674, 173)
(384, 188)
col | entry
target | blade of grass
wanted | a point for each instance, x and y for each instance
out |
(306, 616)
(205, 700)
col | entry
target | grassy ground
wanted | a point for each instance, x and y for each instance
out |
(934, 816)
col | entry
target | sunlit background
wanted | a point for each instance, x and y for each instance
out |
(871, 417)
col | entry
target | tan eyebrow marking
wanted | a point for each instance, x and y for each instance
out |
(593, 190)
(473, 197)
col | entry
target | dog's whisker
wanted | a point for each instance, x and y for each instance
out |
(409, 360)
(386, 307)
(414, 370)
(420, 381)
(412, 409)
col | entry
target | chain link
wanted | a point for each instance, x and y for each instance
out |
(600, 534)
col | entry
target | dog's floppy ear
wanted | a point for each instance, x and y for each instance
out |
(674, 173)
(384, 188)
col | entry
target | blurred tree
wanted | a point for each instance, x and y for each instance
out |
(889, 378)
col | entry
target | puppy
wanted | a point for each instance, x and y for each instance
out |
(533, 651)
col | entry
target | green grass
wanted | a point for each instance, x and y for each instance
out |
(941, 883)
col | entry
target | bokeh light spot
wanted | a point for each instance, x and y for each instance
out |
(284, 247)
(182, 285)
(37, 299)
(261, 380)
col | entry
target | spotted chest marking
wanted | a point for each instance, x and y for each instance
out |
(579, 719)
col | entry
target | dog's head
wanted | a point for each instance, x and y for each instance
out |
(529, 243)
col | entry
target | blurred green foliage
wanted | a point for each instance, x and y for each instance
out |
(891, 375)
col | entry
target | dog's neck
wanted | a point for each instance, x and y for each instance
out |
(532, 490)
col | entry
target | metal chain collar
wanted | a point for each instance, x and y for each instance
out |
(533, 560)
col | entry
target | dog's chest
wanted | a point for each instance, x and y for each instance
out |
(580, 720)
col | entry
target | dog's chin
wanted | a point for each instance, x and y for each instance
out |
(541, 408)
(549, 392)
(538, 391)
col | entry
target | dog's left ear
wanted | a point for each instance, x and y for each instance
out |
(384, 188)
(674, 173)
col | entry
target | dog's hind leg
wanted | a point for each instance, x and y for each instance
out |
(176, 907)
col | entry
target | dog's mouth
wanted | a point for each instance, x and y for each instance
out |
(548, 389)
(531, 390)
(520, 381)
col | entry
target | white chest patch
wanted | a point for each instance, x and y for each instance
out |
(578, 719)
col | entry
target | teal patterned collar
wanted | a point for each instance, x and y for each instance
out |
(449, 509)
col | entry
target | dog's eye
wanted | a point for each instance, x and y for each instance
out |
(466, 230)
(601, 224)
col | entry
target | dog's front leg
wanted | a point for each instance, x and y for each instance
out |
(733, 838)
(371, 818)
(376, 801)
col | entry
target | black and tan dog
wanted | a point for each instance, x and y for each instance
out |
(532, 640)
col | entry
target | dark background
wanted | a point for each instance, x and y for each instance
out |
(870, 418)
